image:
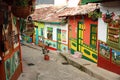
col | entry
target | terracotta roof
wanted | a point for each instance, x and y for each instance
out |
(80, 10)
(47, 14)
(52, 13)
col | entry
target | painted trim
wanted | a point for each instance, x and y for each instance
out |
(53, 22)
(55, 41)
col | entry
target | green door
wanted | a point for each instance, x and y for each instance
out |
(59, 39)
(80, 36)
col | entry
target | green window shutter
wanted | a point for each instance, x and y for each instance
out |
(93, 36)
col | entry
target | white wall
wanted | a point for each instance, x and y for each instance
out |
(55, 27)
(60, 2)
(73, 3)
(102, 30)
(69, 3)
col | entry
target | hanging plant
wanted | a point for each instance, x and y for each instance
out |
(22, 8)
(107, 17)
(94, 15)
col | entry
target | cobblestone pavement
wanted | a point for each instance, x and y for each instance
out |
(36, 68)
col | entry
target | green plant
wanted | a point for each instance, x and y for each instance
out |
(94, 15)
(23, 3)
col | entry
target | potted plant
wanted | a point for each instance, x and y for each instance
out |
(94, 15)
(107, 17)
(21, 8)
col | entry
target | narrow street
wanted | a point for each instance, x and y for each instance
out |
(36, 68)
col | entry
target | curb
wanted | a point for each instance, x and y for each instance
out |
(90, 68)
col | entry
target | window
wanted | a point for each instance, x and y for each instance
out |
(93, 36)
(49, 33)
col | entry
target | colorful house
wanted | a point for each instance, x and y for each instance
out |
(82, 31)
(53, 30)
(53, 25)
(109, 35)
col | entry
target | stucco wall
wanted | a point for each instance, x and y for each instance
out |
(86, 35)
(64, 41)
(102, 30)
(60, 2)
(55, 27)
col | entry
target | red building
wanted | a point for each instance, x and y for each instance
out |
(82, 31)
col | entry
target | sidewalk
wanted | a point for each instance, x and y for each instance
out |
(86, 66)
(90, 68)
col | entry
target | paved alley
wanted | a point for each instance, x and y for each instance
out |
(36, 68)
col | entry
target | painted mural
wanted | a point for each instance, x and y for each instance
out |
(11, 65)
(15, 61)
(104, 51)
(8, 69)
(116, 57)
